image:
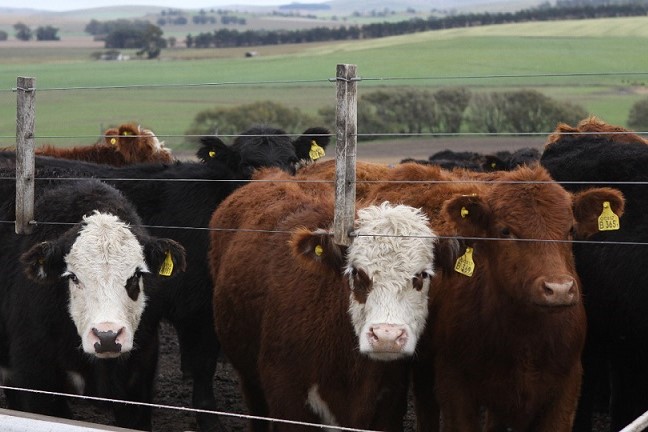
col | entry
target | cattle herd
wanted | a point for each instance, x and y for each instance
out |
(500, 292)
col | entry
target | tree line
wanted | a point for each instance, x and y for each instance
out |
(545, 12)
(409, 111)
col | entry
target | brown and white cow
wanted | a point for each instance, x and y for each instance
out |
(317, 332)
(124, 145)
(507, 326)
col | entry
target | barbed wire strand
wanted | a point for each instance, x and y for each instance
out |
(186, 409)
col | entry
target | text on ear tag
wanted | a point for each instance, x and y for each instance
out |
(608, 220)
(465, 264)
(316, 151)
(167, 266)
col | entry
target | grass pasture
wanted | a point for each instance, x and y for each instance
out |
(600, 64)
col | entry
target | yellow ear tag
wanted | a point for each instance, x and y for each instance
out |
(113, 141)
(465, 264)
(167, 266)
(212, 154)
(126, 133)
(608, 220)
(316, 151)
(319, 250)
(493, 164)
(464, 212)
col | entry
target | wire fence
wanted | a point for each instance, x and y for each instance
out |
(346, 134)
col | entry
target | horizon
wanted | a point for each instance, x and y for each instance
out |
(70, 5)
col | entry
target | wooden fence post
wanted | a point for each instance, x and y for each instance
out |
(345, 153)
(25, 164)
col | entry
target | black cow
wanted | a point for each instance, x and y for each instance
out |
(613, 275)
(180, 208)
(73, 297)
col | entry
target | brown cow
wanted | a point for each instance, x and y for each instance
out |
(506, 333)
(127, 144)
(317, 332)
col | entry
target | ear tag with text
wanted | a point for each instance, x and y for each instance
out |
(167, 266)
(319, 250)
(465, 264)
(608, 220)
(212, 154)
(316, 151)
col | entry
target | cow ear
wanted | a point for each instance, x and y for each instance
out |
(468, 213)
(493, 163)
(312, 144)
(44, 263)
(165, 257)
(595, 206)
(315, 250)
(213, 148)
(446, 252)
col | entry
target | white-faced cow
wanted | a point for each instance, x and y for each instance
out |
(73, 300)
(177, 201)
(317, 332)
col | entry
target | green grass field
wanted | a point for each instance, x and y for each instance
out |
(600, 64)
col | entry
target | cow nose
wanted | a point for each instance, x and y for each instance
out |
(559, 292)
(107, 341)
(387, 337)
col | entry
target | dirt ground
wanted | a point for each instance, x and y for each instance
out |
(172, 391)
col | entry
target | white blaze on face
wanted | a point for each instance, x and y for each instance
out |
(389, 275)
(104, 269)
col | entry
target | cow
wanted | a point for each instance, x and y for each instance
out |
(615, 358)
(73, 301)
(123, 145)
(498, 161)
(251, 149)
(318, 332)
(176, 201)
(507, 325)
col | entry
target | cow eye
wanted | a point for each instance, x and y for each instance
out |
(419, 279)
(73, 278)
(505, 232)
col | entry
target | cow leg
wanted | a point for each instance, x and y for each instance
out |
(594, 387)
(199, 349)
(460, 411)
(629, 380)
(256, 403)
(558, 416)
(426, 406)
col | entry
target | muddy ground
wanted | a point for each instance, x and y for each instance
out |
(172, 391)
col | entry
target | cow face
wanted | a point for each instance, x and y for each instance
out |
(387, 273)
(527, 205)
(103, 267)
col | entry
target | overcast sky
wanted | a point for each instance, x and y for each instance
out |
(64, 5)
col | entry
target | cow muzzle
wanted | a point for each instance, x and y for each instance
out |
(557, 291)
(108, 340)
(388, 339)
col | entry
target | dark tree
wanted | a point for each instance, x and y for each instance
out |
(23, 32)
(47, 33)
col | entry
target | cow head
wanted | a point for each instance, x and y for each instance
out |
(530, 221)
(103, 263)
(137, 144)
(264, 146)
(386, 270)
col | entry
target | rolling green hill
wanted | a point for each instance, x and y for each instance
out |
(600, 64)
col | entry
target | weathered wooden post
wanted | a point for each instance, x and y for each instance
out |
(25, 164)
(345, 153)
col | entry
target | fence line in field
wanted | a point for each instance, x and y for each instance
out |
(346, 146)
